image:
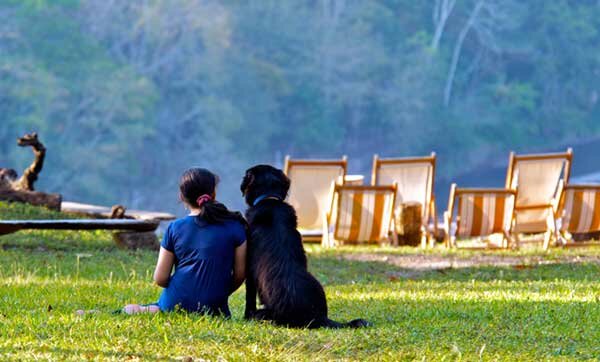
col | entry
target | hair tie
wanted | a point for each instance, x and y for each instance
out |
(202, 199)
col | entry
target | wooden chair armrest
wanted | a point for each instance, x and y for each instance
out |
(433, 214)
(556, 201)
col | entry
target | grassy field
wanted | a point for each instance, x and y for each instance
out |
(522, 312)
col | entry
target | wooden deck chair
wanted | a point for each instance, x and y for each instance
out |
(310, 191)
(359, 214)
(480, 213)
(536, 179)
(415, 178)
(578, 212)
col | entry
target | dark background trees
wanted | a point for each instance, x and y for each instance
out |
(127, 94)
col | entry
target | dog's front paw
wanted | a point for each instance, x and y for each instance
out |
(248, 315)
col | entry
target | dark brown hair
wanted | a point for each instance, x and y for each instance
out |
(196, 182)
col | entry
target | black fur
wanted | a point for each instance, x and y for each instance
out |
(277, 266)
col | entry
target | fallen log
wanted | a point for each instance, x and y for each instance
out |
(136, 240)
(51, 201)
(130, 234)
(11, 226)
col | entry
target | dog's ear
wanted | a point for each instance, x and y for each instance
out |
(247, 182)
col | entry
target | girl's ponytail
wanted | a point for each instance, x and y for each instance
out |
(215, 212)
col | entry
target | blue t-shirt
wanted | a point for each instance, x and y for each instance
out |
(204, 256)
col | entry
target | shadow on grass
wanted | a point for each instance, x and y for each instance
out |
(536, 328)
(335, 270)
(331, 270)
(412, 319)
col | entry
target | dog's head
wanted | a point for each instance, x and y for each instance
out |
(264, 180)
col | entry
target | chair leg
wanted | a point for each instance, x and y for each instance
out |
(557, 237)
(431, 239)
(516, 241)
(393, 232)
(562, 240)
(556, 231)
(394, 237)
(325, 239)
(507, 241)
(447, 240)
(551, 230)
(447, 226)
(547, 237)
(423, 240)
(503, 242)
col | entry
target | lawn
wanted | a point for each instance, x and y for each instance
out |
(529, 311)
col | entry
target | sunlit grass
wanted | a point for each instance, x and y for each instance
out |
(490, 313)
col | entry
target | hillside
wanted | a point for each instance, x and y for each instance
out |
(127, 94)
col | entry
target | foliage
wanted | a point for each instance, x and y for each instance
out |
(127, 94)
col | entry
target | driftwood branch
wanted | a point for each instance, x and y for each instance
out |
(9, 178)
(30, 175)
(21, 189)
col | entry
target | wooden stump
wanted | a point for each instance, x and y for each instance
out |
(439, 234)
(408, 223)
(136, 240)
(578, 237)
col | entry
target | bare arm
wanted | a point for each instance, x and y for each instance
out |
(164, 265)
(239, 267)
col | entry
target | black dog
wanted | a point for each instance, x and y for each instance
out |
(277, 266)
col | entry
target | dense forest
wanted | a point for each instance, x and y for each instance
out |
(127, 94)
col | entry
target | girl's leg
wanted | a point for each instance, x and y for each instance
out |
(141, 308)
(128, 309)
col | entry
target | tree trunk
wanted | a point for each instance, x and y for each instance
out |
(441, 12)
(457, 51)
(51, 201)
(136, 240)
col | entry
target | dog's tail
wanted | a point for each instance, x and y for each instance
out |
(328, 323)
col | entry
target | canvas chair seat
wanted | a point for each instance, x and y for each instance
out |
(310, 191)
(578, 213)
(480, 212)
(414, 177)
(536, 179)
(359, 214)
(581, 209)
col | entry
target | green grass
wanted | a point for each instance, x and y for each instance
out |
(487, 313)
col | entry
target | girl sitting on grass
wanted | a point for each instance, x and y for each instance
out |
(207, 249)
